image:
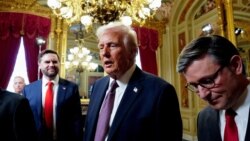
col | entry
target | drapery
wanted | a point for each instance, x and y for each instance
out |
(148, 44)
(12, 27)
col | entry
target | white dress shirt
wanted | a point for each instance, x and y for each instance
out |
(241, 119)
(119, 92)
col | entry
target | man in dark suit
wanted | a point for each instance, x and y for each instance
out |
(145, 106)
(16, 119)
(66, 123)
(214, 71)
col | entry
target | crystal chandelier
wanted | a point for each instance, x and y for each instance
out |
(104, 11)
(79, 57)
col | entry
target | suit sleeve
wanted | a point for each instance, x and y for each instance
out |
(168, 122)
(24, 124)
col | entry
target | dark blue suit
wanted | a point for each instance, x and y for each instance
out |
(16, 119)
(208, 125)
(68, 110)
(148, 111)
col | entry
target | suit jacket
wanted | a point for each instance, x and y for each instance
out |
(16, 119)
(69, 124)
(208, 126)
(148, 111)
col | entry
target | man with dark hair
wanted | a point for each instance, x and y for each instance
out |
(214, 71)
(55, 102)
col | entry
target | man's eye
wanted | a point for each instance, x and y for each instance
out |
(113, 45)
(100, 47)
(206, 81)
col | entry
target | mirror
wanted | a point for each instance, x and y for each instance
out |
(81, 74)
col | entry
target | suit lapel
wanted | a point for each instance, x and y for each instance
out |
(215, 120)
(132, 91)
(38, 88)
(99, 94)
(61, 93)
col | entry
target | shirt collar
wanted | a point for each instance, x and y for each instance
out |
(244, 102)
(55, 81)
(124, 79)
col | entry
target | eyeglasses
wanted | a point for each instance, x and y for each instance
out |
(205, 82)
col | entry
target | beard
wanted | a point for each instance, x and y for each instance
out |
(50, 74)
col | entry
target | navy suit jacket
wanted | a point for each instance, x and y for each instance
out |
(208, 125)
(16, 119)
(69, 124)
(148, 111)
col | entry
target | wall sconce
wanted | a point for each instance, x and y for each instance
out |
(238, 31)
(207, 29)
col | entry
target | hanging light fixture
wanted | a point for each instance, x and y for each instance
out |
(79, 57)
(104, 11)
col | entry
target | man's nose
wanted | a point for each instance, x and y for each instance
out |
(105, 51)
(202, 92)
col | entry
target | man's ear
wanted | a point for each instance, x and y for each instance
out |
(236, 64)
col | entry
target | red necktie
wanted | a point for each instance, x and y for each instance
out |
(231, 132)
(105, 113)
(48, 107)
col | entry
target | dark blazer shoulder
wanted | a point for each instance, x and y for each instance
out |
(10, 97)
(67, 82)
(208, 125)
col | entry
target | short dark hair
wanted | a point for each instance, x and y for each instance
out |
(220, 48)
(47, 51)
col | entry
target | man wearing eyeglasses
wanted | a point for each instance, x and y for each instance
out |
(214, 71)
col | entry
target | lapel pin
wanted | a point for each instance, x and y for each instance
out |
(64, 88)
(135, 89)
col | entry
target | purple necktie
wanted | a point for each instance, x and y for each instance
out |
(231, 132)
(105, 113)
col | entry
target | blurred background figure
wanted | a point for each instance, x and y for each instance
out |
(17, 122)
(18, 84)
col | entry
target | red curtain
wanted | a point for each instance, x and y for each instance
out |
(34, 26)
(12, 27)
(148, 44)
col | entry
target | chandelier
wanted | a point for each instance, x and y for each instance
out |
(79, 57)
(104, 11)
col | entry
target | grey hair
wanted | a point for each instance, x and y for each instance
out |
(128, 34)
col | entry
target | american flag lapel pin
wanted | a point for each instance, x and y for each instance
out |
(135, 89)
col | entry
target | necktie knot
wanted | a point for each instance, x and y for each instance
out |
(50, 83)
(114, 85)
(230, 113)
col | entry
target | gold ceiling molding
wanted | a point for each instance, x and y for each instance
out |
(24, 6)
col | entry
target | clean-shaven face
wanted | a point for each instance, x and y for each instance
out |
(114, 56)
(222, 95)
